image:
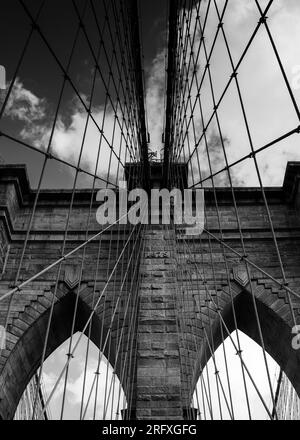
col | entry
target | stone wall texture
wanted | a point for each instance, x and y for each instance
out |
(180, 285)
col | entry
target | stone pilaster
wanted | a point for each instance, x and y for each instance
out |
(158, 393)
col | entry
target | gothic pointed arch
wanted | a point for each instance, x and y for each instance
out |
(275, 318)
(22, 359)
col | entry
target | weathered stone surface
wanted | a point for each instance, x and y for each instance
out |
(183, 284)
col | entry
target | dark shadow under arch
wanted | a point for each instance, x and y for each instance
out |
(25, 358)
(276, 332)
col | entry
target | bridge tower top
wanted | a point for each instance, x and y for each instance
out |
(179, 172)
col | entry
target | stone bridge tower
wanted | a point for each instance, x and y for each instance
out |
(176, 306)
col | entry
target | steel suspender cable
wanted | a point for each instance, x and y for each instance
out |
(207, 293)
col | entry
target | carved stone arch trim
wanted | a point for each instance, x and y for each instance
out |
(275, 320)
(24, 358)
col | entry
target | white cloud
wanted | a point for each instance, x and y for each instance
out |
(155, 92)
(267, 103)
(67, 141)
(252, 356)
(268, 106)
(52, 368)
(24, 105)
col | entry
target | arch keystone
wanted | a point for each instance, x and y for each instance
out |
(240, 275)
(72, 276)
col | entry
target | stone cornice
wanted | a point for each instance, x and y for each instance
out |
(17, 174)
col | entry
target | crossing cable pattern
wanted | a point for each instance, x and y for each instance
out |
(25, 407)
(111, 257)
(194, 136)
(110, 31)
(288, 405)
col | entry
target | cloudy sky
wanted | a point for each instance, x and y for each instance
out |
(30, 112)
(269, 109)
(109, 389)
(268, 106)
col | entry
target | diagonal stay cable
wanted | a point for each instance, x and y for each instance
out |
(217, 310)
(60, 260)
(20, 60)
(251, 263)
(51, 50)
(232, 76)
(85, 327)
